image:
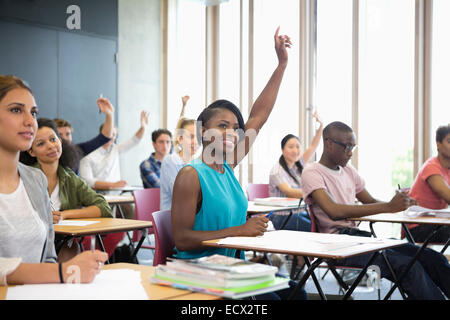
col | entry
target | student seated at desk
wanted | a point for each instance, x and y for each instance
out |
(285, 178)
(162, 143)
(65, 131)
(431, 188)
(101, 168)
(330, 188)
(185, 148)
(27, 251)
(208, 201)
(151, 168)
(70, 196)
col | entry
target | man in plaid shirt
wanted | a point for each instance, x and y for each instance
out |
(151, 167)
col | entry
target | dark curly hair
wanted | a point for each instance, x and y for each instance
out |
(69, 156)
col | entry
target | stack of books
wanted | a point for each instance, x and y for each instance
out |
(220, 275)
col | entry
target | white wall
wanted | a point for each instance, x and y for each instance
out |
(139, 78)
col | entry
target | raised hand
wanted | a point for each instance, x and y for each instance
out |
(281, 43)
(105, 106)
(144, 119)
(184, 100)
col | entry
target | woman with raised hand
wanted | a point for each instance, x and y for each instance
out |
(285, 178)
(208, 201)
(27, 252)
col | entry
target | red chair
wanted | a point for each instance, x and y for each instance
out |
(146, 201)
(164, 243)
(255, 190)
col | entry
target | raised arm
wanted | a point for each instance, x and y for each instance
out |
(144, 122)
(184, 101)
(264, 103)
(307, 155)
(105, 106)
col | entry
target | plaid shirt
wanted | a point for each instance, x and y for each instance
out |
(150, 172)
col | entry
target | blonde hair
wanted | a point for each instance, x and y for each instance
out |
(183, 122)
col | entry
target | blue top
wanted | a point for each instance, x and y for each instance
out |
(224, 205)
(171, 164)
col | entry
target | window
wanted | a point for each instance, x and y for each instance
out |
(440, 95)
(386, 95)
(186, 60)
(284, 117)
(334, 62)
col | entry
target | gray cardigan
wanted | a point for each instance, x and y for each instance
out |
(35, 184)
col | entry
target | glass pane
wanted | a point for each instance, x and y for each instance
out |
(186, 61)
(229, 53)
(386, 95)
(284, 119)
(334, 62)
(440, 107)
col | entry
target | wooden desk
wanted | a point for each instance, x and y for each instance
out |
(104, 226)
(154, 292)
(312, 245)
(121, 190)
(118, 199)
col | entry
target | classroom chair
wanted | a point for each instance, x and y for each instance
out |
(164, 243)
(255, 190)
(146, 201)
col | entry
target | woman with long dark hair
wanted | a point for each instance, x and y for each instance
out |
(71, 197)
(285, 179)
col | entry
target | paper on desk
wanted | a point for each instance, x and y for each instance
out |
(295, 240)
(417, 211)
(75, 223)
(121, 284)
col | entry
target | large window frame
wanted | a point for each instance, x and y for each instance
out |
(307, 61)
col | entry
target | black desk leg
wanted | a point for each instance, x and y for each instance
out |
(358, 279)
(100, 243)
(143, 236)
(413, 260)
(305, 277)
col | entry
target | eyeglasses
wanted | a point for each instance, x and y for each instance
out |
(347, 148)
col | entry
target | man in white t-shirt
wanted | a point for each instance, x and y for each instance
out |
(101, 168)
(331, 188)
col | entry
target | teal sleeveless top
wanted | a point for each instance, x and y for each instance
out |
(224, 205)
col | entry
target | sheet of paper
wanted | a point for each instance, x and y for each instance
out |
(121, 284)
(75, 223)
(416, 211)
(296, 240)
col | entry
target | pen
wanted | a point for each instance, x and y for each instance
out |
(101, 96)
(270, 213)
(92, 243)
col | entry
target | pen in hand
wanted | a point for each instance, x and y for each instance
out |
(269, 214)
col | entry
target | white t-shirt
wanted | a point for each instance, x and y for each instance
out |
(22, 232)
(104, 164)
(55, 199)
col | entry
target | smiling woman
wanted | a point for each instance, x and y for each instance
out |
(70, 196)
(26, 229)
